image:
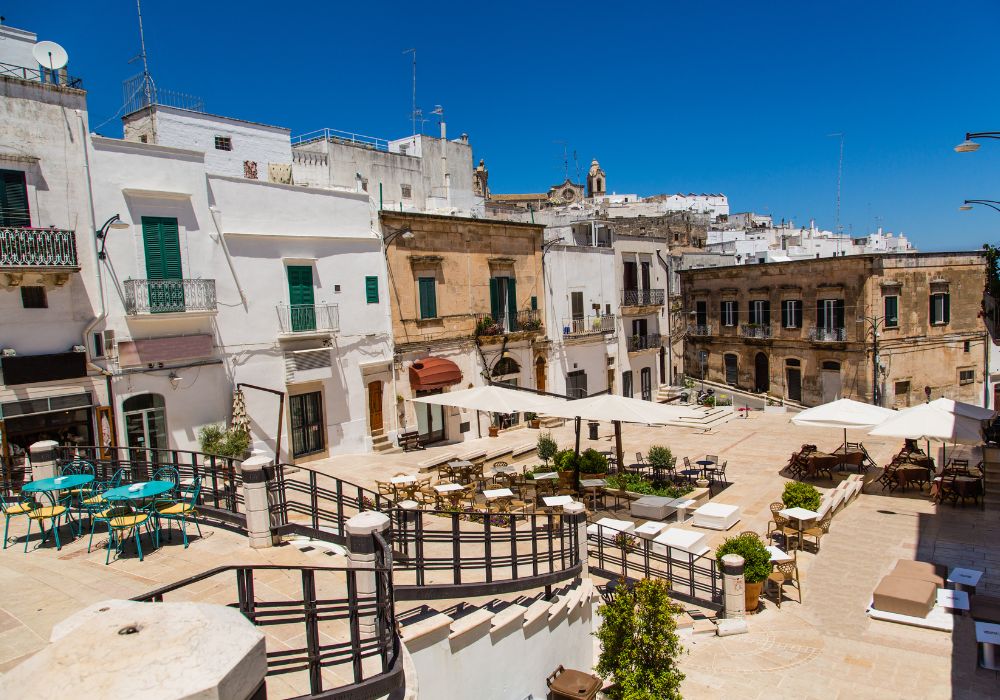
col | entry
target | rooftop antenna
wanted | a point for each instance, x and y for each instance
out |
(565, 160)
(576, 161)
(840, 179)
(413, 113)
(148, 87)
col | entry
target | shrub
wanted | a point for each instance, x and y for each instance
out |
(547, 447)
(216, 440)
(641, 485)
(530, 416)
(564, 460)
(593, 462)
(639, 642)
(800, 495)
(749, 546)
(661, 457)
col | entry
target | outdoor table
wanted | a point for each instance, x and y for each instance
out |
(557, 501)
(799, 515)
(688, 473)
(459, 464)
(403, 479)
(593, 483)
(491, 494)
(57, 483)
(505, 470)
(988, 639)
(139, 491)
(591, 488)
(965, 579)
(956, 602)
(446, 488)
(778, 555)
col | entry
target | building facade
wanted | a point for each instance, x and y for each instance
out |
(49, 389)
(802, 330)
(467, 308)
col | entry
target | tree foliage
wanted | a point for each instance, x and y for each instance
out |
(225, 442)
(547, 447)
(800, 495)
(639, 642)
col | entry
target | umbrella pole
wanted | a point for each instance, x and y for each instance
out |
(479, 425)
(577, 420)
(618, 444)
(576, 462)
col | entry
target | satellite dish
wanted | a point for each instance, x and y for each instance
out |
(50, 55)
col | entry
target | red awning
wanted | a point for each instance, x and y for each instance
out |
(433, 373)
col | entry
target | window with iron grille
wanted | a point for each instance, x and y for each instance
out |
(223, 143)
(250, 169)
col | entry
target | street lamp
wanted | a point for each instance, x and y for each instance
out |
(703, 356)
(991, 203)
(970, 146)
(405, 233)
(115, 222)
(873, 325)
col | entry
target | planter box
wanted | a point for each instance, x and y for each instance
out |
(699, 496)
(774, 409)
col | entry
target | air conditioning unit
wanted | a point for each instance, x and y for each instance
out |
(110, 346)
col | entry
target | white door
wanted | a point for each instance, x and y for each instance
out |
(831, 385)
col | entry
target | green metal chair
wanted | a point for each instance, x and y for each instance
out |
(41, 514)
(180, 511)
(13, 507)
(121, 527)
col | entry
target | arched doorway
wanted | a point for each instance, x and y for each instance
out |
(540, 373)
(793, 379)
(762, 373)
(145, 422)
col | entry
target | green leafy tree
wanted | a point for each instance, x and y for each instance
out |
(639, 643)
(593, 462)
(800, 495)
(757, 559)
(225, 442)
(661, 457)
(547, 447)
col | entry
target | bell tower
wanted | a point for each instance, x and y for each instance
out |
(596, 180)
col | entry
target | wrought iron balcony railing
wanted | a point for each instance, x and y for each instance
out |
(308, 318)
(522, 321)
(828, 335)
(755, 330)
(700, 329)
(642, 297)
(37, 247)
(169, 296)
(643, 342)
(591, 325)
(41, 75)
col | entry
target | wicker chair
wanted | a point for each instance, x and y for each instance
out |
(779, 523)
(784, 574)
(818, 530)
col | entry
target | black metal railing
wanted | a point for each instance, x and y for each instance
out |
(757, 331)
(330, 603)
(41, 75)
(305, 499)
(693, 578)
(445, 554)
(590, 325)
(636, 343)
(221, 480)
(522, 321)
(642, 297)
(23, 247)
(827, 335)
(700, 329)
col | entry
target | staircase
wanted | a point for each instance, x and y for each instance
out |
(381, 443)
(991, 478)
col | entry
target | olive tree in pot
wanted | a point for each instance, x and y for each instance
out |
(546, 447)
(661, 458)
(639, 642)
(757, 564)
(225, 442)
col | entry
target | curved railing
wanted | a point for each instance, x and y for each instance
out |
(445, 554)
(337, 624)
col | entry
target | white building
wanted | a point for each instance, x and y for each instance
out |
(223, 281)
(414, 174)
(48, 300)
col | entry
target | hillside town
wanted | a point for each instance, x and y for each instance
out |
(428, 419)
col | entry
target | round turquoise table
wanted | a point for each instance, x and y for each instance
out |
(57, 483)
(146, 489)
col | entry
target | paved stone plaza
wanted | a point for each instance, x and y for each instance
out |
(825, 647)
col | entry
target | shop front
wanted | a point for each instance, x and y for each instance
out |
(429, 376)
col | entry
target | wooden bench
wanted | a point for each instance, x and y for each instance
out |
(409, 441)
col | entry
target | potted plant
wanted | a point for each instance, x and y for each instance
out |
(639, 642)
(494, 430)
(757, 564)
(661, 458)
(546, 448)
(532, 419)
(593, 464)
(225, 442)
(800, 495)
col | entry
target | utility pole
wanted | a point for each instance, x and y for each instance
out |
(873, 323)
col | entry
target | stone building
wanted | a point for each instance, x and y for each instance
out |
(802, 330)
(467, 297)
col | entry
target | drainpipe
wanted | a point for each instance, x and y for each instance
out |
(670, 340)
(986, 369)
(225, 249)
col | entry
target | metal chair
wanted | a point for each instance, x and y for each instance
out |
(12, 508)
(41, 514)
(784, 574)
(180, 511)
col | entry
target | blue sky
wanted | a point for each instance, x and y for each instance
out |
(733, 97)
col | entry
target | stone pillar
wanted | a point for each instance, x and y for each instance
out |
(257, 501)
(43, 459)
(124, 649)
(361, 556)
(733, 586)
(411, 516)
(576, 513)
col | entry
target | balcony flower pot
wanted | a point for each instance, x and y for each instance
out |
(494, 430)
(701, 483)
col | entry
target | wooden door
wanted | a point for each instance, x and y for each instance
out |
(375, 405)
(540, 374)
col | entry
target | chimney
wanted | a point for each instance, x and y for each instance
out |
(444, 131)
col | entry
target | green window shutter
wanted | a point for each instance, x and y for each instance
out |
(947, 308)
(838, 313)
(820, 314)
(301, 301)
(428, 297)
(512, 302)
(494, 299)
(13, 199)
(534, 303)
(371, 289)
(162, 247)
(767, 313)
(784, 313)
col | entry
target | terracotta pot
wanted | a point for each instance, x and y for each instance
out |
(534, 423)
(751, 595)
(494, 431)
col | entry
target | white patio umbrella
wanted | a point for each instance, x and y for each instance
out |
(493, 399)
(928, 422)
(966, 410)
(843, 413)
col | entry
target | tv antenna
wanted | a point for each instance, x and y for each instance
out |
(840, 180)
(413, 112)
(576, 161)
(565, 159)
(50, 55)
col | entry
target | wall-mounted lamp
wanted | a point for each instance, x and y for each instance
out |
(175, 380)
(115, 222)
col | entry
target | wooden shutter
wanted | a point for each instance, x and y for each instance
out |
(947, 307)
(494, 299)
(838, 313)
(797, 313)
(766, 307)
(736, 313)
(428, 300)
(785, 313)
(162, 247)
(722, 313)
(820, 314)
(300, 285)
(512, 302)
(631, 276)
(13, 199)
(534, 303)
(371, 289)
(576, 302)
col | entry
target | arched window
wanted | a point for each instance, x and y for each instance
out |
(146, 422)
(831, 365)
(143, 402)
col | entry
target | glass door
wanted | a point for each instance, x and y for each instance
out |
(430, 419)
(145, 427)
(308, 431)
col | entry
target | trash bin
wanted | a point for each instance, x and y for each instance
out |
(592, 427)
(571, 685)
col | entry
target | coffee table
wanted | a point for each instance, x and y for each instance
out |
(491, 494)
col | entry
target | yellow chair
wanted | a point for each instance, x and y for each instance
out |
(12, 508)
(123, 526)
(41, 514)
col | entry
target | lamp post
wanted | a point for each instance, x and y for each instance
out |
(970, 145)
(968, 204)
(115, 222)
(873, 323)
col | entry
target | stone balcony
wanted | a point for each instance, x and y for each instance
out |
(45, 255)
